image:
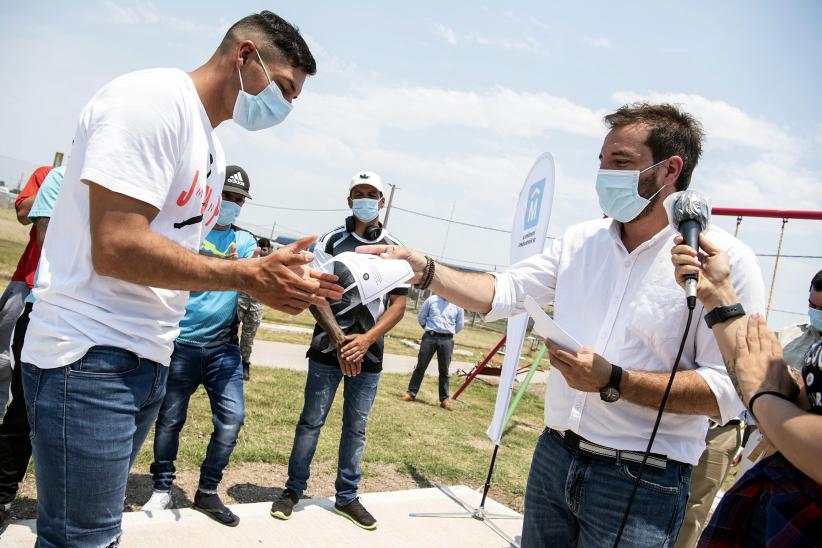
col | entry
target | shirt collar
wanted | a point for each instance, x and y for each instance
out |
(615, 232)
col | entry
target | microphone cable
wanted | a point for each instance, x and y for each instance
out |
(656, 426)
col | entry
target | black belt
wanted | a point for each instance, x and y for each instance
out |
(577, 444)
(436, 334)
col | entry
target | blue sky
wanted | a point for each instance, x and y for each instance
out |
(454, 101)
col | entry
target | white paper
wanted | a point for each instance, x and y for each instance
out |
(374, 275)
(548, 328)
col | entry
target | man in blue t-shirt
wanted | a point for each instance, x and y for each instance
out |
(206, 353)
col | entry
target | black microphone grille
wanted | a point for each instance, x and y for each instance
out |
(690, 205)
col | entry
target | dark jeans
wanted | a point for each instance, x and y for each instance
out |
(320, 387)
(88, 420)
(576, 500)
(219, 369)
(444, 347)
(15, 445)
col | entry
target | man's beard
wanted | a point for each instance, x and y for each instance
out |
(648, 188)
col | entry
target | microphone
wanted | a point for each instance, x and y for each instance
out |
(690, 215)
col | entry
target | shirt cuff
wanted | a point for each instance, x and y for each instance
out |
(503, 304)
(730, 406)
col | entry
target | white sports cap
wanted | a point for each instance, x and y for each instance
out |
(366, 178)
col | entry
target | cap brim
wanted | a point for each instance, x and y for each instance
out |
(236, 190)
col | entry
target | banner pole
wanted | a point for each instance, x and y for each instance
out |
(488, 478)
(524, 386)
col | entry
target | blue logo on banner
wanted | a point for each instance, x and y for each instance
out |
(532, 207)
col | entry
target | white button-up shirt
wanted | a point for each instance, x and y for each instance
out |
(629, 309)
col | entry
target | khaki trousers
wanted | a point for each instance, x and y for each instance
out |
(707, 478)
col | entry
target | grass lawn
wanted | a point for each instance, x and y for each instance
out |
(414, 439)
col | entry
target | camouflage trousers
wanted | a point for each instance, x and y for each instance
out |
(250, 312)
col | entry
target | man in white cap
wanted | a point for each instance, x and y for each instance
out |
(347, 344)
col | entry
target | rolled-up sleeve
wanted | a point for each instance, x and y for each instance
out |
(746, 278)
(535, 276)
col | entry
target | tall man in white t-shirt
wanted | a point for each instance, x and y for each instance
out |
(141, 192)
(612, 286)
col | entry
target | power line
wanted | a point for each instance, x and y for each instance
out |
(789, 312)
(294, 208)
(421, 214)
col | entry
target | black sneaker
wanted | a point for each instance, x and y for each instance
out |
(246, 371)
(357, 513)
(5, 516)
(283, 505)
(211, 505)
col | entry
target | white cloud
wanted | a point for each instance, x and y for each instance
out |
(597, 42)
(145, 12)
(529, 43)
(726, 123)
(445, 32)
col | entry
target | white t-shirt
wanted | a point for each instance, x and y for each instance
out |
(146, 135)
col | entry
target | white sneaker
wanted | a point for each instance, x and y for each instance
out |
(160, 500)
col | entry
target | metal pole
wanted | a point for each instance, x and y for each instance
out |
(271, 238)
(523, 386)
(478, 368)
(775, 266)
(448, 230)
(388, 206)
(738, 222)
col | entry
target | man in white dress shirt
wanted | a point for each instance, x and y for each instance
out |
(613, 289)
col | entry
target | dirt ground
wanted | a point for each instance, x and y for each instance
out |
(251, 482)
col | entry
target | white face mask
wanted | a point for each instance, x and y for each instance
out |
(618, 192)
(264, 110)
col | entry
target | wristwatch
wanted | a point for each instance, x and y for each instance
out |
(610, 392)
(723, 314)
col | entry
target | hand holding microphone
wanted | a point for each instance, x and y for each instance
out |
(710, 267)
(689, 213)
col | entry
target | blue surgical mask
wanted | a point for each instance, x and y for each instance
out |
(229, 211)
(618, 192)
(264, 110)
(365, 209)
(815, 317)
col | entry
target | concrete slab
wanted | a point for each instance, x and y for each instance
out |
(315, 524)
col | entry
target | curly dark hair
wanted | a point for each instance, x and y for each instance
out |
(673, 133)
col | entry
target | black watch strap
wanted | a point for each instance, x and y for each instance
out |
(723, 314)
(616, 377)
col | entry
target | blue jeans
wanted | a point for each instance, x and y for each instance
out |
(320, 388)
(219, 369)
(576, 500)
(88, 420)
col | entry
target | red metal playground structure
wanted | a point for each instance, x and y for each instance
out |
(739, 213)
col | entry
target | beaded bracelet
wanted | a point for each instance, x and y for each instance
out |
(428, 274)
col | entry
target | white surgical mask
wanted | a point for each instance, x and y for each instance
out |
(264, 110)
(618, 192)
(229, 211)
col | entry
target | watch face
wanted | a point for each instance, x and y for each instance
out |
(609, 394)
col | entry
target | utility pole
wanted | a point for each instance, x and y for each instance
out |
(448, 230)
(272, 231)
(388, 207)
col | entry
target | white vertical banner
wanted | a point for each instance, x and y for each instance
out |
(527, 238)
